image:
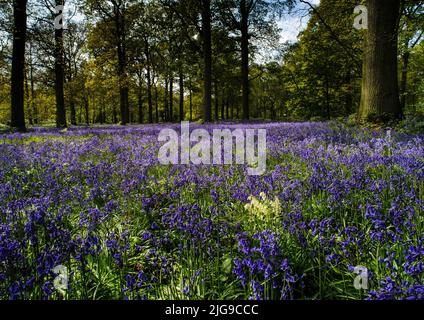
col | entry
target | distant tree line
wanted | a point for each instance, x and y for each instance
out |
(151, 61)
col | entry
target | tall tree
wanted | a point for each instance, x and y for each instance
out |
(246, 7)
(149, 79)
(323, 69)
(251, 18)
(59, 70)
(197, 19)
(33, 107)
(114, 15)
(74, 41)
(380, 89)
(412, 32)
(207, 59)
(181, 88)
(18, 65)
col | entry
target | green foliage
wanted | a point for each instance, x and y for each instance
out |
(316, 78)
(412, 125)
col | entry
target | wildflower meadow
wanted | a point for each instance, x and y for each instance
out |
(97, 202)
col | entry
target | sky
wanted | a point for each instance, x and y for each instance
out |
(292, 24)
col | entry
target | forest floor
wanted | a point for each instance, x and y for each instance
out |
(96, 203)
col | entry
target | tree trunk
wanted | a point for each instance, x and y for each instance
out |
(181, 76)
(140, 103)
(380, 90)
(216, 102)
(30, 120)
(31, 79)
(404, 82)
(123, 102)
(72, 108)
(149, 95)
(156, 104)
(223, 107)
(114, 114)
(72, 99)
(273, 113)
(122, 64)
(80, 114)
(207, 60)
(244, 11)
(149, 81)
(171, 99)
(165, 101)
(59, 69)
(93, 111)
(100, 117)
(191, 103)
(18, 65)
(327, 98)
(87, 113)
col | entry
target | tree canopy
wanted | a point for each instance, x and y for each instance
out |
(151, 61)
